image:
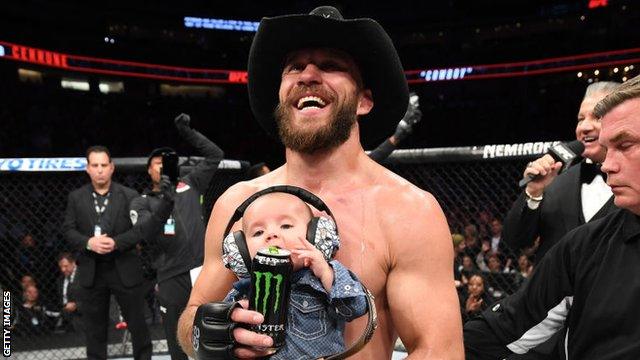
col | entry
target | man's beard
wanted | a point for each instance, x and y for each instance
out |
(335, 133)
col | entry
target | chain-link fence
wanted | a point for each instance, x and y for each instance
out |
(32, 206)
(474, 191)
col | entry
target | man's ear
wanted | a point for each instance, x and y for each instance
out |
(365, 102)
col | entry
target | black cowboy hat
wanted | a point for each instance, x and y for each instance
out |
(364, 39)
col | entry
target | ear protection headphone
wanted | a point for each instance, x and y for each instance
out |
(321, 231)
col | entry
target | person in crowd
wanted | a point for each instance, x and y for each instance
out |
(27, 253)
(318, 91)
(475, 298)
(494, 264)
(585, 288)
(33, 318)
(98, 227)
(26, 280)
(473, 245)
(525, 266)
(282, 220)
(458, 252)
(181, 237)
(69, 293)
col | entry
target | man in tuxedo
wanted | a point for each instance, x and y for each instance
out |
(69, 293)
(97, 225)
(552, 204)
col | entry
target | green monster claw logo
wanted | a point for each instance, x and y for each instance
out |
(267, 277)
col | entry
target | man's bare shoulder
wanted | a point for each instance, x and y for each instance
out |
(401, 195)
(240, 191)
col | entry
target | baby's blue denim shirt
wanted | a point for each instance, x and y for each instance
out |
(316, 318)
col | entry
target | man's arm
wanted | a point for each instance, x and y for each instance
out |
(521, 227)
(422, 297)
(535, 312)
(215, 281)
(141, 215)
(201, 176)
(522, 224)
(137, 232)
(77, 240)
(404, 129)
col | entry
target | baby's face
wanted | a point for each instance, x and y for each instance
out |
(277, 219)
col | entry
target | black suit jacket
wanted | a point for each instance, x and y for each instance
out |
(559, 212)
(79, 223)
(73, 290)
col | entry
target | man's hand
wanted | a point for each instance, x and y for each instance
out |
(473, 304)
(217, 334)
(411, 117)
(167, 189)
(71, 306)
(547, 168)
(183, 121)
(101, 244)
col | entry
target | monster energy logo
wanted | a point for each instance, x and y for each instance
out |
(266, 277)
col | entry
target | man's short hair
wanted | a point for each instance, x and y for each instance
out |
(626, 91)
(66, 256)
(98, 149)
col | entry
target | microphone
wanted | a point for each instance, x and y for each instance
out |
(565, 153)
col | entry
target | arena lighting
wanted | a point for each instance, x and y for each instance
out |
(528, 68)
(220, 24)
(119, 68)
(597, 3)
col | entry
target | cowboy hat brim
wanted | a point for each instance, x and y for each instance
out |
(364, 39)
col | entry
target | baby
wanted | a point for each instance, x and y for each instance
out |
(324, 295)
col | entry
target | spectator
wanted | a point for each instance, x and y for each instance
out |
(28, 254)
(525, 266)
(27, 280)
(475, 298)
(33, 318)
(494, 264)
(69, 293)
(458, 247)
(471, 240)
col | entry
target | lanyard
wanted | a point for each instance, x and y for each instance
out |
(100, 209)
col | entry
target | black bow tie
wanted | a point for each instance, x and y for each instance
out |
(588, 172)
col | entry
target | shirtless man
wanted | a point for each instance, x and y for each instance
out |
(333, 77)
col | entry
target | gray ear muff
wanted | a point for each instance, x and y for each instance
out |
(322, 233)
(235, 254)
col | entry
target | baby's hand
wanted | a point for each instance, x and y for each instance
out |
(314, 260)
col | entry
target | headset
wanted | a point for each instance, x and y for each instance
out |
(322, 232)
